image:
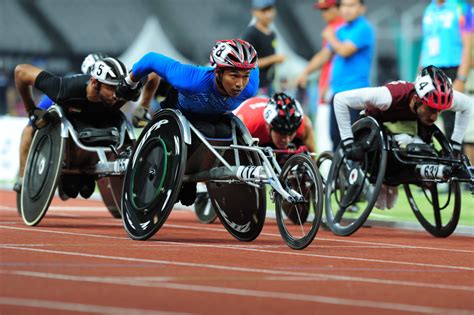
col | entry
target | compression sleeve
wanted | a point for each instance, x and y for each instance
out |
(49, 84)
(181, 76)
(462, 105)
(378, 97)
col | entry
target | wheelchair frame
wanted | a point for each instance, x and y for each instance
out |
(237, 173)
(391, 150)
(33, 211)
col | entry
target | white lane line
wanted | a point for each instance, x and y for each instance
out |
(317, 239)
(63, 232)
(323, 277)
(76, 307)
(254, 293)
(297, 253)
(293, 253)
(345, 240)
(63, 208)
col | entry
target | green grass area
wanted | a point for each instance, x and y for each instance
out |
(402, 211)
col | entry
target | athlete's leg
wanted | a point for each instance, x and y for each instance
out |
(25, 143)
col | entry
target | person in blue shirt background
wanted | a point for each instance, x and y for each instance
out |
(202, 94)
(352, 46)
(448, 26)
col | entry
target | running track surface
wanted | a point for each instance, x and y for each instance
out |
(80, 260)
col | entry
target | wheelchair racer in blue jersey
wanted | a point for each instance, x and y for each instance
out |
(206, 94)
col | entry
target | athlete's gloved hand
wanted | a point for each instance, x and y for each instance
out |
(353, 151)
(140, 117)
(39, 117)
(128, 92)
(457, 148)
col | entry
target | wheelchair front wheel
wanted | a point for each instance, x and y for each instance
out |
(299, 222)
(438, 212)
(205, 213)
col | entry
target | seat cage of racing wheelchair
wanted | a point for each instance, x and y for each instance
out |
(234, 169)
(57, 155)
(420, 167)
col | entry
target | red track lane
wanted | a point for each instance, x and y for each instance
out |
(80, 260)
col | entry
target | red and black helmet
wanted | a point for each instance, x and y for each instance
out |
(283, 113)
(434, 88)
(233, 53)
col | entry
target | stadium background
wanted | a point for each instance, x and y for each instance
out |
(56, 35)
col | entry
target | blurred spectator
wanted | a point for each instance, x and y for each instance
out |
(447, 31)
(352, 46)
(264, 40)
(330, 13)
(469, 138)
(3, 89)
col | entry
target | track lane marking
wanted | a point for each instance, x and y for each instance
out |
(295, 253)
(251, 270)
(253, 293)
(78, 307)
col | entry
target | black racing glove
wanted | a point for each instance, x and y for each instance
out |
(140, 117)
(39, 117)
(127, 92)
(353, 151)
(457, 148)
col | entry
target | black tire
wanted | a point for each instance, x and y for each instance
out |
(203, 209)
(240, 208)
(154, 173)
(110, 189)
(43, 167)
(355, 184)
(323, 162)
(299, 223)
(438, 212)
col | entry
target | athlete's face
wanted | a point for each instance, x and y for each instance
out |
(234, 81)
(282, 141)
(107, 95)
(427, 115)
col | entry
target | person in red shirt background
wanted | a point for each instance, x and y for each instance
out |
(277, 122)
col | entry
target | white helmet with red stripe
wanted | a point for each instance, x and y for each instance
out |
(233, 53)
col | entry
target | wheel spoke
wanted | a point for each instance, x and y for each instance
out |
(437, 212)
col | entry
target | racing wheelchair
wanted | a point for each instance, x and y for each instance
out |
(73, 155)
(422, 168)
(172, 152)
(203, 209)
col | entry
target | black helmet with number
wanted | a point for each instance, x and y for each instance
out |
(109, 71)
(233, 53)
(283, 113)
(89, 61)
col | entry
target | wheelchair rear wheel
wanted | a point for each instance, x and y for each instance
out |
(154, 173)
(299, 222)
(353, 186)
(43, 166)
(241, 208)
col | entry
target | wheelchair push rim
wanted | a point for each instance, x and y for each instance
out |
(298, 223)
(43, 167)
(154, 172)
(353, 186)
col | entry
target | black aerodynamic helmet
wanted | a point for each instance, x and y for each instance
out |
(283, 113)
